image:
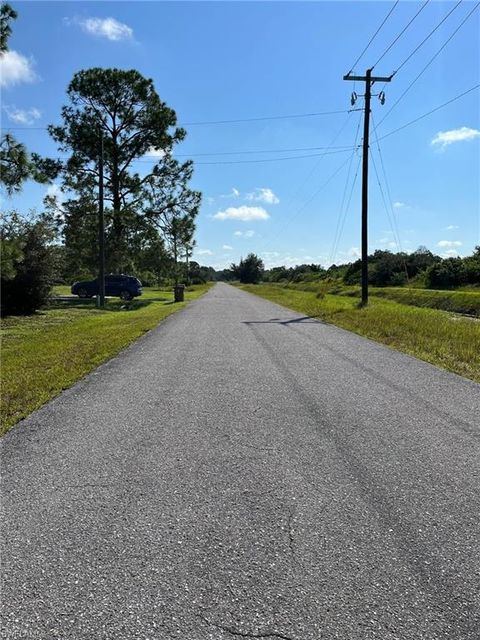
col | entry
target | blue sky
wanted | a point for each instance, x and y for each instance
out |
(237, 60)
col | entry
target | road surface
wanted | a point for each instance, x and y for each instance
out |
(243, 472)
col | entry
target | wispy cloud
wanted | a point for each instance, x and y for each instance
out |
(234, 193)
(444, 138)
(108, 28)
(22, 116)
(203, 252)
(263, 195)
(15, 68)
(452, 227)
(399, 205)
(243, 213)
(227, 247)
(244, 234)
(449, 244)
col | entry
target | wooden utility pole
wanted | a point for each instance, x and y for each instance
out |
(369, 80)
(101, 231)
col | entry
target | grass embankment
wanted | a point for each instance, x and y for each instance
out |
(466, 302)
(47, 352)
(444, 339)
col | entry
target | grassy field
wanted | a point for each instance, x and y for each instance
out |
(465, 301)
(47, 352)
(444, 339)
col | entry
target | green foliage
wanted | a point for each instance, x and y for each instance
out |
(122, 109)
(248, 271)
(454, 272)
(29, 272)
(7, 14)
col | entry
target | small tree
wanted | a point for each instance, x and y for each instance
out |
(29, 264)
(250, 270)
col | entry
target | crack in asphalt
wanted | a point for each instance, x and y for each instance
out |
(244, 634)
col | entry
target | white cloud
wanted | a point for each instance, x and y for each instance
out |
(15, 68)
(451, 227)
(444, 138)
(244, 234)
(227, 247)
(451, 253)
(203, 252)
(399, 205)
(244, 213)
(22, 116)
(354, 252)
(54, 191)
(263, 195)
(156, 153)
(450, 244)
(234, 193)
(106, 28)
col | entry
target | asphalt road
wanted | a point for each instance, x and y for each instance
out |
(242, 471)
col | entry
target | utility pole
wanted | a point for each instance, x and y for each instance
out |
(101, 231)
(369, 80)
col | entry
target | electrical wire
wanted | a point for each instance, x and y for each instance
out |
(372, 38)
(392, 226)
(401, 33)
(340, 219)
(347, 207)
(262, 118)
(208, 122)
(235, 153)
(426, 38)
(429, 62)
(441, 106)
(301, 157)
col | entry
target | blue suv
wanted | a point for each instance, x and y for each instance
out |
(125, 287)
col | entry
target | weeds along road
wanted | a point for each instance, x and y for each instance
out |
(245, 472)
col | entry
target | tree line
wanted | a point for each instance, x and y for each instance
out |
(384, 269)
(116, 118)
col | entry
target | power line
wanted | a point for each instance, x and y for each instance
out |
(372, 38)
(345, 212)
(311, 155)
(208, 122)
(393, 222)
(429, 62)
(390, 133)
(300, 157)
(340, 220)
(234, 153)
(401, 33)
(427, 37)
(261, 118)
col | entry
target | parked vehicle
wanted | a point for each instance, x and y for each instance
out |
(125, 287)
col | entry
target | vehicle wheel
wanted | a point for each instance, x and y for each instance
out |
(82, 293)
(125, 295)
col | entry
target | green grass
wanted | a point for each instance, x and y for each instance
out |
(47, 352)
(444, 339)
(464, 301)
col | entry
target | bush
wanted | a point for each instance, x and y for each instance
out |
(30, 265)
(446, 274)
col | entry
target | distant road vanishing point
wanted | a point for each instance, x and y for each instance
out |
(244, 472)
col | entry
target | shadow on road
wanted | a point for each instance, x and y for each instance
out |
(302, 320)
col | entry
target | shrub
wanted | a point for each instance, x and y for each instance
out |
(30, 272)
